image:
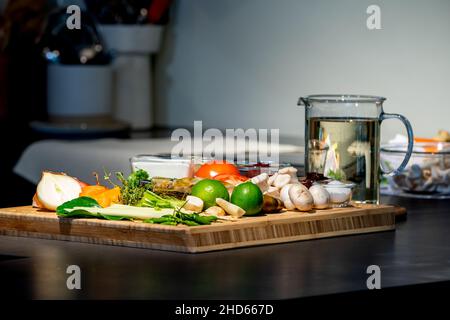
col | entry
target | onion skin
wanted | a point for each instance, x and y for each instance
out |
(271, 204)
(36, 203)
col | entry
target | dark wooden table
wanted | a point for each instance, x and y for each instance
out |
(417, 252)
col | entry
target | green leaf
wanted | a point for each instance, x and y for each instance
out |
(338, 174)
(78, 202)
(78, 214)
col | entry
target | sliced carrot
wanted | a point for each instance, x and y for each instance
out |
(233, 179)
(114, 194)
(92, 190)
(104, 196)
(430, 148)
(107, 197)
(418, 139)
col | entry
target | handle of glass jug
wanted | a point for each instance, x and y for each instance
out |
(409, 130)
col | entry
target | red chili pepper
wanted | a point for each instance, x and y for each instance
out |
(232, 178)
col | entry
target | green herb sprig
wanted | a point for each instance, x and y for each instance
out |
(132, 189)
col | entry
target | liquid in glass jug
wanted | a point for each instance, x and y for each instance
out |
(342, 141)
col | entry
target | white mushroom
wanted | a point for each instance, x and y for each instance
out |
(272, 178)
(230, 208)
(281, 180)
(193, 203)
(292, 172)
(284, 194)
(321, 196)
(261, 181)
(215, 211)
(301, 197)
(273, 192)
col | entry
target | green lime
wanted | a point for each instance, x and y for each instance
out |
(208, 190)
(249, 197)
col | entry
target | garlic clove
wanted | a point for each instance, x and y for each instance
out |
(193, 203)
(215, 211)
(230, 208)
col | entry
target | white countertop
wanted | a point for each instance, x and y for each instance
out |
(81, 158)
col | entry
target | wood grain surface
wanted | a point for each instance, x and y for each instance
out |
(249, 231)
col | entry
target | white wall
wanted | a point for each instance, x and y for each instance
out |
(244, 63)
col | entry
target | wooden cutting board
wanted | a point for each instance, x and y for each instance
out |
(249, 231)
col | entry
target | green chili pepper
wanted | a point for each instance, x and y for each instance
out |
(178, 217)
(169, 223)
(200, 219)
(190, 223)
(210, 218)
(166, 218)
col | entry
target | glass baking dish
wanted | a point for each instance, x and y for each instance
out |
(427, 172)
(163, 166)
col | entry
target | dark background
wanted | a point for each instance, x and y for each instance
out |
(24, 26)
(22, 92)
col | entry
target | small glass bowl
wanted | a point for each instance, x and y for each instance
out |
(340, 192)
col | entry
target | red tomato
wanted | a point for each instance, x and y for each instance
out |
(230, 178)
(214, 168)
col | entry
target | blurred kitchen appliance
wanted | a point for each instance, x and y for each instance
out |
(79, 70)
(79, 81)
(79, 90)
(133, 46)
